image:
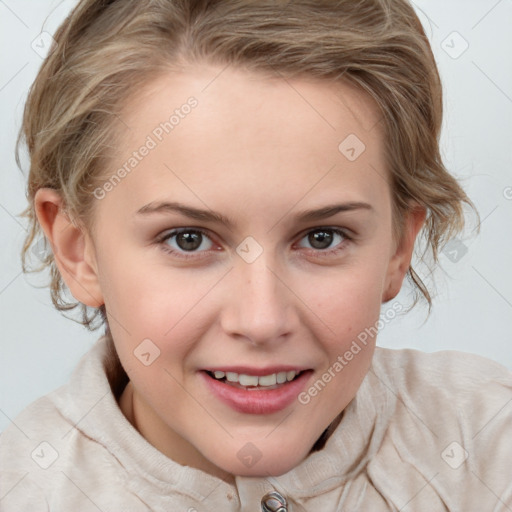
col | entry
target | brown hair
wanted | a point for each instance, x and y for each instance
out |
(106, 50)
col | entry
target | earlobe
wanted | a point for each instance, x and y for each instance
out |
(71, 246)
(401, 260)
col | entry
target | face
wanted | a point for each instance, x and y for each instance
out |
(239, 257)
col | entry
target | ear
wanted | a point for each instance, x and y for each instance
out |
(401, 260)
(72, 248)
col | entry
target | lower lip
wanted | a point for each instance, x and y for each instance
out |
(257, 401)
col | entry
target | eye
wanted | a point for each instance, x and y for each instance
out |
(324, 239)
(186, 240)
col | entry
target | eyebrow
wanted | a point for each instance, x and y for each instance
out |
(211, 216)
(330, 210)
(187, 211)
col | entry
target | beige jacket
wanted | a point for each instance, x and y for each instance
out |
(425, 433)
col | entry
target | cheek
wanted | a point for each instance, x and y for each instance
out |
(350, 299)
(349, 306)
(171, 307)
(147, 296)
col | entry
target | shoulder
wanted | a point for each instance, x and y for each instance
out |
(448, 371)
(27, 450)
(45, 452)
(39, 419)
(451, 425)
(53, 416)
(448, 388)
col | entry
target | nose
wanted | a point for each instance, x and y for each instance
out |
(258, 306)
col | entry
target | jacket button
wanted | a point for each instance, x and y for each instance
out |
(273, 502)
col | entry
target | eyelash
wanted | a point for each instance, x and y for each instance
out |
(193, 254)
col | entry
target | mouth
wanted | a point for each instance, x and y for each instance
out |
(252, 391)
(255, 382)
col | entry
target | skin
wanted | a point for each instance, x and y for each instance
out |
(258, 150)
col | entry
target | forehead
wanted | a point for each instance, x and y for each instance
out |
(268, 134)
(321, 104)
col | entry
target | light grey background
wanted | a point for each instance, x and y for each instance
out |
(473, 309)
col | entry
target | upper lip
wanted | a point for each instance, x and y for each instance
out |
(258, 372)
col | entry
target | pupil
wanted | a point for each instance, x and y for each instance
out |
(320, 239)
(189, 240)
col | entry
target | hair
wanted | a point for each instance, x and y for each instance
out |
(106, 50)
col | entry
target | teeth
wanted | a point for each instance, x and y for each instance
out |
(267, 380)
(281, 377)
(253, 380)
(290, 375)
(248, 380)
